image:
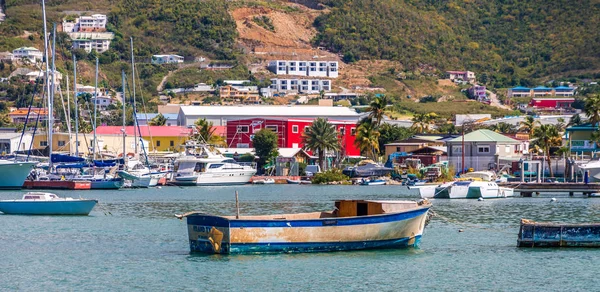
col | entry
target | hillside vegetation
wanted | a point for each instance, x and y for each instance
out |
(514, 42)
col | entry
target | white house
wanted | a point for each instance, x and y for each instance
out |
(94, 23)
(9, 142)
(99, 41)
(6, 56)
(28, 53)
(305, 68)
(300, 85)
(461, 75)
(166, 59)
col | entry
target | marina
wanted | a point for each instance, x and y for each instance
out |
(111, 244)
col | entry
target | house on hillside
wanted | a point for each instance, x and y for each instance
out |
(305, 68)
(88, 41)
(552, 102)
(477, 92)
(467, 76)
(6, 56)
(30, 54)
(300, 85)
(167, 59)
(244, 94)
(484, 150)
(18, 116)
(520, 91)
(93, 23)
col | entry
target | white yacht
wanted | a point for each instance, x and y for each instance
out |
(209, 168)
(593, 166)
(140, 176)
(473, 185)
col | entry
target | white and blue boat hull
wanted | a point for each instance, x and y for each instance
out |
(13, 174)
(62, 207)
(215, 234)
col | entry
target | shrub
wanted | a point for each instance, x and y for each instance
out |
(328, 176)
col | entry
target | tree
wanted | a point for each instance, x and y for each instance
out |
(158, 120)
(321, 136)
(391, 133)
(575, 120)
(546, 137)
(367, 140)
(528, 125)
(592, 109)
(205, 133)
(376, 109)
(503, 128)
(421, 122)
(265, 147)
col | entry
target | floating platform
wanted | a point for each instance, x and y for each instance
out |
(527, 189)
(544, 234)
(57, 185)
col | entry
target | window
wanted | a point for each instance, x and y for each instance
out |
(292, 63)
(322, 64)
(157, 143)
(283, 81)
(302, 63)
(281, 69)
(456, 149)
(171, 143)
(483, 149)
(333, 69)
(243, 145)
(314, 82)
(281, 63)
(325, 82)
(295, 129)
(313, 69)
(302, 69)
(272, 128)
(304, 82)
(332, 64)
(353, 131)
(43, 143)
(305, 129)
(294, 82)
(61, 143)
(507, 148)
(293, 69)
(283, 87)
(243, 129)
(313, 64)
(322, 69)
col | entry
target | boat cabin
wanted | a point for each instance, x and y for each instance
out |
(39, 196)
(344, 208)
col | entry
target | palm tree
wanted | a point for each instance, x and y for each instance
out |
(575, 120)
(504, 128)
(421, 122)
(158, 120)
(367, 140)
(592, 109)
(547, 136)
(204, 131)
(376, 109)
(528, 125)
(321, 136)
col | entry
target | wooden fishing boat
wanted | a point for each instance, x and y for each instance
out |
(547, 234)
(353, 225)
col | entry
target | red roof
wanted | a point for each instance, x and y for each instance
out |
(220, 131)
(154, 131)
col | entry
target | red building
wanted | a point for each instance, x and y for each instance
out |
(552, 102)
(289, 132)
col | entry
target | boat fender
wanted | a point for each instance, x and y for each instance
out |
(553, 200)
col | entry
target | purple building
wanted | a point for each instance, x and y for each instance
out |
(477, 92)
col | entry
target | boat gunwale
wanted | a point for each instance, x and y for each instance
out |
(311, 220)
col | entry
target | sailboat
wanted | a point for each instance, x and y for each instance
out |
(136, 172)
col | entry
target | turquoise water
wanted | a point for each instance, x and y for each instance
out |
(131, 241)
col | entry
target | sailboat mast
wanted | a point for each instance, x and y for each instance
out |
(135, 124)
(51, 98)
(95, 102)
(124, 119)
(68, 117)
(75, 100)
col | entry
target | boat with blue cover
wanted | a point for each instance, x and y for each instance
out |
(353, 225)
(38, 203)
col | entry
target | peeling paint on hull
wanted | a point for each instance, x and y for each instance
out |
(215, 234)
(537, 234)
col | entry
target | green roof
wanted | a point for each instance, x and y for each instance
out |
(485, 136)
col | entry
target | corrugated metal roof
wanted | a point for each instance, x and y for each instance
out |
(485, 136)
(265, 111)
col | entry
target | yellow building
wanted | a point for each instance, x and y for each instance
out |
(106, 143)
(160, 138)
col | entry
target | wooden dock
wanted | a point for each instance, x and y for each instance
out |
(527, 189)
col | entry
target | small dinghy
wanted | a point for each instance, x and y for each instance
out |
(267, 181)
(38, 203)
(352, 225)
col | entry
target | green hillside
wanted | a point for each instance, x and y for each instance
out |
(514, 42)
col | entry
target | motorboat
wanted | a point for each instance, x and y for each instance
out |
(467, 189)
(203, 167)
(353, 225)
(39, 203)
(14, 173)
(298, 182)
(367, 168)
(140, 176)
(373, 182)
(266, 181)
(593, 169)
